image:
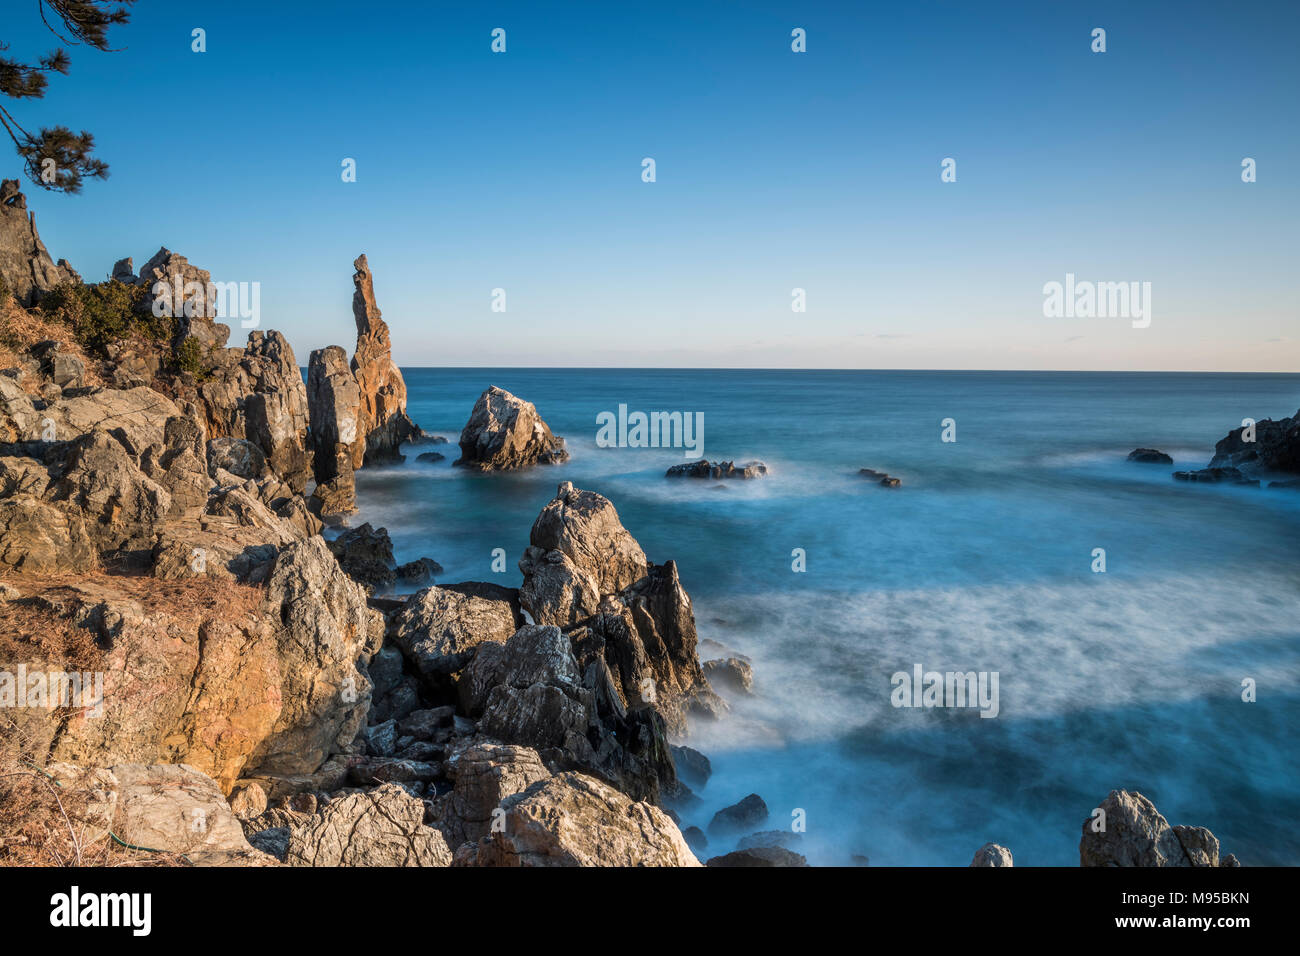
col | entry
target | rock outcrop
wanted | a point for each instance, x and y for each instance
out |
(381, 827)
(337, 430)
(992, 854)
(1276, 447)
(439, 629)
(717, 469)
(584, 573)
(1149, 456)
(26, 268)
(574, 820)
(384, 422)
(1133, 832)
(504, 433)
(880, 478)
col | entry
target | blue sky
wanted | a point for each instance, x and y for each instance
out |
(775, 170)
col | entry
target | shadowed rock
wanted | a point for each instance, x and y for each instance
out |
(504, 433)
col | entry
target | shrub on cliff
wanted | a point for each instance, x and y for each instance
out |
(99, 315)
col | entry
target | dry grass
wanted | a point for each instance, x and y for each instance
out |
(21, 328)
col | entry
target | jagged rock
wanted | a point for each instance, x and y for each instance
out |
(176, 288)
(439, 628)
(26, 268)
(337, 429)
(382, 827)
(419, 570)
(584, 571)
(1276, 447)
(695, 839)
(991, 854)
(385, 424)
(692, 766)
(35, 536)
(124, 271)
(531, 691)
(238, 456)
(734, 672)
(326, 630)
(1149, 456)
(719, 469)
(366, 554)
(745, 815)
(1136, 834)
(334, 500)
(484, 774)
(575, 820)
(505, 432)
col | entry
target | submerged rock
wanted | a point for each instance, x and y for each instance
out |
(1230, 476)
(880, 478)
(1149, 456)
(504, 433)
(717, 469)
(759, 856)
(745, 815)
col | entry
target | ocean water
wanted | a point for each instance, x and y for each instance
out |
(981, 561)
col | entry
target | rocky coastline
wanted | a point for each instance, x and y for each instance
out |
(164, 500)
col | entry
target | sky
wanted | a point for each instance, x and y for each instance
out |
(775, 171)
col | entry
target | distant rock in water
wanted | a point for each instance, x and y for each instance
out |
(431, 456)
(1231, 476)
(880, 477)
(1149, 456)
(385, 424)
(421, 437)
(505, 432)
(734, 672)
(719, 469)
(992, 854)
(745, 815)
(1276, 446)
(1136, 834)
(758, 856)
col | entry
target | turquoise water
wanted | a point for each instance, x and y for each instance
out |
(981, 561)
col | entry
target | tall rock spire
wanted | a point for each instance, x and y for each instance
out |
(384, 421)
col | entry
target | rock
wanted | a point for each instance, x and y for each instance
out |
(695, 839)
(583, 571)
(720, 469)
(439, 628)
(325, 630)
(369, 771)
(423, 724)
(365, 554)
(382, 827)
(484, 774)
(991, 854)
(692, 766)
(273, 841)
(1136, 834)
(177, 809)
(880, 478)
(124, 271)
(384, 422)
(381, 739)
(26, 268)
(36, 536)
(1292, 485)
(786, 839)
(759, 856)
(240, 457)
(176, 288)
(417, 571)
(734, 672)
(505, 433)
(1231, 476)
(1149, 456)
(745, 815)
(430, 456)
(337, 430)
(575, 820)
(1276, 447)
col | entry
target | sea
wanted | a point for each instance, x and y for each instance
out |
(1144, 633)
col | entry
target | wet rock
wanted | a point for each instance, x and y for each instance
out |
(1149, 456)
(430, 456)
(1231, 476)
(759, 856)
(504, 433)
(733, 672)
(745, 815)
(880, 478)
(1136, 834)
(692, 766)
(1276, 447)
(695, 839)
(991, 854)
(717, 469)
